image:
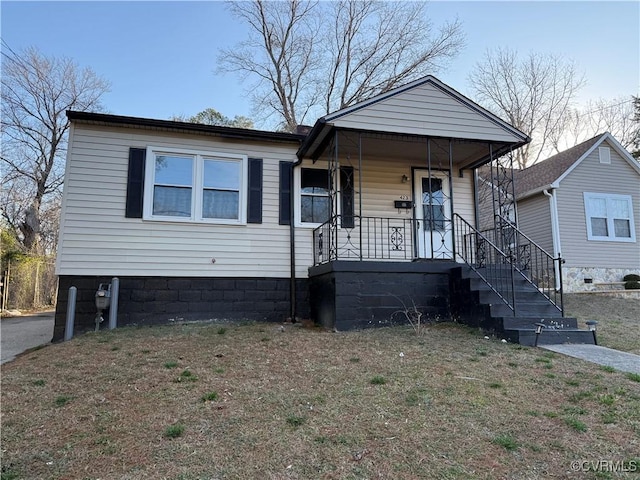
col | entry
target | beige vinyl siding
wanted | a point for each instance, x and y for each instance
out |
(534, 219)
(425, 110)
(592, 176)
(382, 185)
(97, 239)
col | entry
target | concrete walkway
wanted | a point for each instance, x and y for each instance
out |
(18, 334)
(622, 361)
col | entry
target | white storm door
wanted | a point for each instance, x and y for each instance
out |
(433, 215)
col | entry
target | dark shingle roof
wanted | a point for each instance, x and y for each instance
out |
(171, 125)
(549, 170)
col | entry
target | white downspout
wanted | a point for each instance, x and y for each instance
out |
(555, 231)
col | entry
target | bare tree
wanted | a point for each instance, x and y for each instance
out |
(280, 54)
(377, 46)
(636, 119)
(533, 95)
(316, 57)
(615, 116)
(210, 116)
(36, 92)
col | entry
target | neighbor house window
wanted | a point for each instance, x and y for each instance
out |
(194, 186)
(609, 217)
(314, 195)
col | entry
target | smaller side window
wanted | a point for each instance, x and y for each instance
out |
(314, 195)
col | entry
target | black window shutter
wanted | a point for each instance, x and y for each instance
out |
(286, 177)
(254, 204)
(135, 183)
(346, 197)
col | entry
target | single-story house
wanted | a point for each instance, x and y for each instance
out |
(583, 204)
(371, 209)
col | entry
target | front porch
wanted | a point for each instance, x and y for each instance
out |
(390, 198)
(372, 196)
(400, 215)
(371, 276)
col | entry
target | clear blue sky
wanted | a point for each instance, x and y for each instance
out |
(160, 57)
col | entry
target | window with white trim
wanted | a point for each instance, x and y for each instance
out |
(312, 202)
(187, 185)
(221, 189)
(609, 217)
(314, 196)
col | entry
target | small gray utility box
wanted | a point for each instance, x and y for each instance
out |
(103, 296)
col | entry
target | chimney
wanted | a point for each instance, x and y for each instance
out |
(303, 129)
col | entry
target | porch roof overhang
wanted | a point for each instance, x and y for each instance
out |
(476, 152)
(425, 108)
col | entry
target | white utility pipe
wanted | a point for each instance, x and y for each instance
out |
(555, 231)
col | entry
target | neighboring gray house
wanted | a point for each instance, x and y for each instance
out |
(584, 205)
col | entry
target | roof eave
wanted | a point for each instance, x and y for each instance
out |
(316, 136)
(535, 191)
(186, 127)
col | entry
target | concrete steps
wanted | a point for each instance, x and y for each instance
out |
(475, 303)
(527, 336)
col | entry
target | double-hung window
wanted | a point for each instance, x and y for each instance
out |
(314, 196)
(172, 185)
(195, 186)
(313, 202)
(609, 217)
(221, 189)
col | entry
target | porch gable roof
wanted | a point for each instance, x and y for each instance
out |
(425, 107)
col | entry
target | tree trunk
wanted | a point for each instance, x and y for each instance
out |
(30, 228)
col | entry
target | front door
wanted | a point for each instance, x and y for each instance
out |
(433, 215)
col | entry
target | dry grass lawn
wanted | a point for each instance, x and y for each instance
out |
(618, 318)
(252, 401)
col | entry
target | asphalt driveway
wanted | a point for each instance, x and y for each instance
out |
(18, 334)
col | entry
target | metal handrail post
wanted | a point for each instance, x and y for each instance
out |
(560, 261)
(513, 287)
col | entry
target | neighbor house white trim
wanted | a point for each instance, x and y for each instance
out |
(555, 232)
